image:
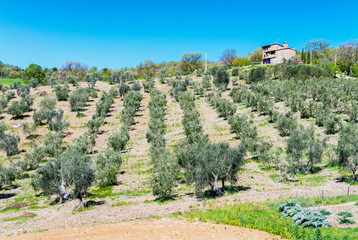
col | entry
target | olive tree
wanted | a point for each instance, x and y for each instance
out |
(107, 167)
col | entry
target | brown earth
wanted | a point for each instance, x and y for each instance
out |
(166, 228)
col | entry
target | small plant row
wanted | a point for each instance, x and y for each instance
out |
(205, 163)
(165, 168)
(257, 102)
(5, 99)
(303, 216)
(223, 106)
(191, 120)
(131, 103)
(102, 109)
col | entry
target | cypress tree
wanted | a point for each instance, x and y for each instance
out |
(303, 55)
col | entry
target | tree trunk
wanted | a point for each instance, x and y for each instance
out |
(223, 184)
(215, 183)
(351, 68)
(80, 201)
(63, 191)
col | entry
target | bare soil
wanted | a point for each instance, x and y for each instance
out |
(165, 228)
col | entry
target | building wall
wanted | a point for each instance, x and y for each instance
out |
(284, 54)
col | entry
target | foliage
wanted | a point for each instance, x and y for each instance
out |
(302, 216)
(221, 78)
(7, 174)
(257, 75)
(165, 173)
(190, 62)
(208, 163)
(78, 99)
(206, 82)
(9, 143)
(192, 126)
(33, 71)
(124, 89)
(223, 106)
(108, 166)
(136, 86)
(61, 92)
(18, 108)
(119, 140)
(131, 103)
(344, 219)
(286, 123)
(347, 149)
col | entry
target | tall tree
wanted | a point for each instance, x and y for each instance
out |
(228, 56)
(190, 62)
(33, 71)
(348, 54)
(317, 47)
(256, 56)
(303, 55)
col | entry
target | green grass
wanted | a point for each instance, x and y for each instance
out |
(263, 216)
(121, 203)
(314, 201)
(314, 180)
(22, 218)
(107, 192)
(274, 177)
(8, 81)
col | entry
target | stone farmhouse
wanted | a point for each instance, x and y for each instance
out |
(276, 53)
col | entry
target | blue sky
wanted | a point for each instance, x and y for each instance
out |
(123, 33)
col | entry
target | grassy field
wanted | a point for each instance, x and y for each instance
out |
(263, 216)
(8, 81)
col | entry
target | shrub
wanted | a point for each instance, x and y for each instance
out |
(256, 75)
(136, 86)
(119, 140)
(7, 175)
(62, 92)
(164, 176)
(70, 79)
(221, 79)
(34, 82)
(78, 99)
(9, 143)
(286, 123)
(18, 108)
(332, 124)
(52, 144)
(48, 103)
(209, 163)
(108, 167)
(94, 124)
(235, 71)
(33, 159)
(206, 82)
(123, 89)
(344, 219)
(223, 106)
(347, 149)
(148, 84)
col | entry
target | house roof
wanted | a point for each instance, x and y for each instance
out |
(272, 44)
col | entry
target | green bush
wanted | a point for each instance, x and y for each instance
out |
(235, 71)
(256, 75)
(119, 140)
(78, 99)
(108, 167)
(61, 92)
(222, 78)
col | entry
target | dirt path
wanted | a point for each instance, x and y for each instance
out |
(153, 229)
